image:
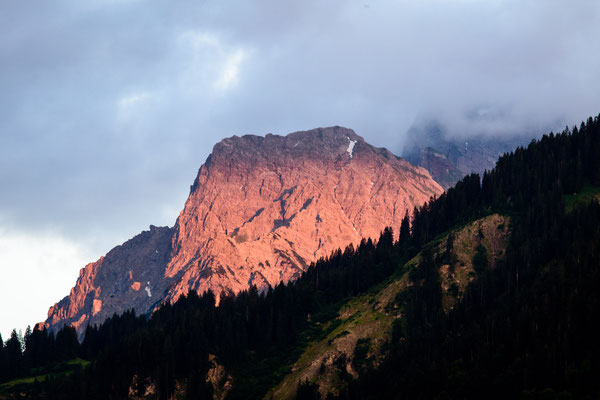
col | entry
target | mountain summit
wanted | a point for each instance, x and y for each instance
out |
(259, 212)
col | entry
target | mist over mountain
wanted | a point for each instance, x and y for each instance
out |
(449, 157)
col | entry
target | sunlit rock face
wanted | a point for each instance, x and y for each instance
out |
(263, 208)
(259, 212)
(112, 284)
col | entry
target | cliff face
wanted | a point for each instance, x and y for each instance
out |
(260, 211)
(129, 276)
(442, 170)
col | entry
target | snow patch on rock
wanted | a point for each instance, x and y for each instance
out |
(350, 148)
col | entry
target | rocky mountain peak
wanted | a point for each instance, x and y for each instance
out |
(261, 209)
(315, 141)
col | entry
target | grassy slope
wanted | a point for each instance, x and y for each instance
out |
(362, 317)
(62, 369)
(587, 194)
(369, 317)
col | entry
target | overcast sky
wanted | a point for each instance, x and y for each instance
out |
(109, 107)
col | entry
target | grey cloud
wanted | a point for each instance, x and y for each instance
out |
(108, 108)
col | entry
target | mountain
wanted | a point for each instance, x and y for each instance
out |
(489, 293)
(448, 159)
(260, 210)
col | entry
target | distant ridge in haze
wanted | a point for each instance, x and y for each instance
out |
(450, 159)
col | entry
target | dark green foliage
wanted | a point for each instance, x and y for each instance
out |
(449, 256)
(453, 290)
(341, 369)
(359, 360)
(480, 259)
(423, 307)
(13, 357)
(404, 237)
(398, 331)
(308, 391)
(196, 386)
(67, 345)
(3, 361)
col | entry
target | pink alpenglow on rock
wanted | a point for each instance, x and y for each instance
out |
(259, 212)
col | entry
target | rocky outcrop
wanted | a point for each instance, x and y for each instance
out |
(259, 212)
(444, 171)
(218, 378)
(108, 285)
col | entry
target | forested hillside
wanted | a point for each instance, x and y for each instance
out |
(523, 328)
(520, 328)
